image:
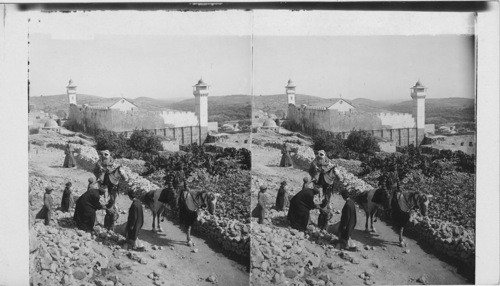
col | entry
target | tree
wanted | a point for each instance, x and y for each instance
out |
(362, 142)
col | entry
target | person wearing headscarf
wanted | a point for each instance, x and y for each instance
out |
(69, 160)
(48, 204)
(86, 207)
(103, 166)
(347, 220)
(135, 220)
(300, 206)
(282, 199)
(319, 166)
(67, 201)
(286, 159)
(261, 208)
(175, 182)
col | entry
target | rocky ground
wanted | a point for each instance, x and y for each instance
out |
(63, 255)
(284, 256)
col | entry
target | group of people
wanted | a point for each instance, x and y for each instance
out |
(301, 204)
(87, 205)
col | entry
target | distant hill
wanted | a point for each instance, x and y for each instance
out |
(222, 108)
(442, 110)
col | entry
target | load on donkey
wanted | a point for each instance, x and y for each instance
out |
(109, 177)
(323, 175)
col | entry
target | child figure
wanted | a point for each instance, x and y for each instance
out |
(282, 199)
(110, 218)
(261, 208)
(47, 209)
(67, 201)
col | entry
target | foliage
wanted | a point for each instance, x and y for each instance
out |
(454, 195)
(215, 160)
(145, 141)
(362, 142)
(114, 142)
(234, 202)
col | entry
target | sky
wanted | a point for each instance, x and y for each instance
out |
(162, 54)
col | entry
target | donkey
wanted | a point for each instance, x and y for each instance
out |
(402, 204)
(371, 201)
(150, 199)
(190, 202)
(111, 180)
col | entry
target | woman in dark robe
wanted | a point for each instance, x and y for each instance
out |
(347, 220)
(282, 199)
(67, 201)
(69, 160)
(286, 159)
(135, 220)
(300, 206)
(46, 212)
(86, 207)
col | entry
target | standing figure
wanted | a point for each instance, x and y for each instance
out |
(300, 206)
(103, 166)
(67, 201)
(135, 220)
(69, 160)
(286, 159)
(318, 167)
(86, 207)
(282, 199)
(347, 221)
(47, 209)
(110, 218)
(261, 208)
(175, 182)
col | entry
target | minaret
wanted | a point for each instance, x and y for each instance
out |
(418, 93)
(71, 91)
(290, 92)
(200, 92)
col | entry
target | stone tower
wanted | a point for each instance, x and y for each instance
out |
(418, 94)
(200, 92)
(290, 92)
(71, 91)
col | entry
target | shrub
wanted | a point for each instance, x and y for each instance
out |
(332, 144)
(362, 142)
(114, 142)
(145, 141)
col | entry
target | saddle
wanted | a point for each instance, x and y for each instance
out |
(190, 202)
(403, 203)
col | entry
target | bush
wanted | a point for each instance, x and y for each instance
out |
(114, 142)
(145, 141)
(362, 142)
(332, 144)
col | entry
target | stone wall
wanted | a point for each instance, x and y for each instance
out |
(336, 121)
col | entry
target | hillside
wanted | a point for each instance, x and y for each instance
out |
(442, 110)
(222, 108)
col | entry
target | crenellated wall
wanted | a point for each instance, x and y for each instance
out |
(396, 120)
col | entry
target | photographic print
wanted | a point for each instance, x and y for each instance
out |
(138, 148)
(363, 153)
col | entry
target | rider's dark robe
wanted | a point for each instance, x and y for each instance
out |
(318, 166)
(300, 206)
(85, 210)
(187, 208)
(102, 167)
(347, 220)
(135, 219)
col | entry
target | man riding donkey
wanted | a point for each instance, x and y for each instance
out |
(323, 175)
(102, 171)
(175, 182)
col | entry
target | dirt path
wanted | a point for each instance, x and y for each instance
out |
(176, 263)
(389, 264)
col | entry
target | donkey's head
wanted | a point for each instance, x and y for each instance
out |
(211, 201)
(423, 201)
